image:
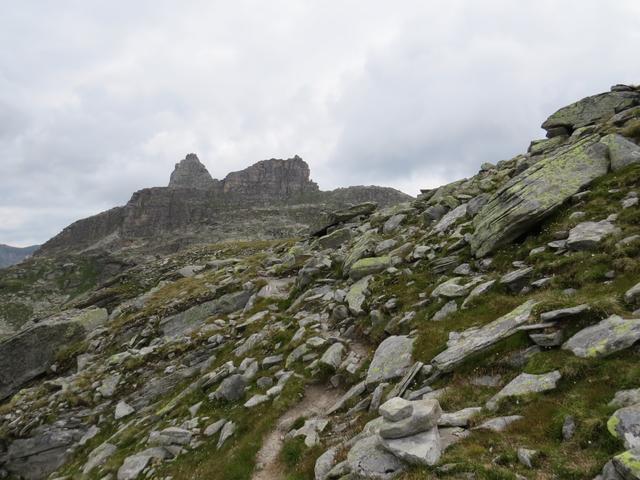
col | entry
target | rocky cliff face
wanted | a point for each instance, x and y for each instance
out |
(488, 329)
(270, 199)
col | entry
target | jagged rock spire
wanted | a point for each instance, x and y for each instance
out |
(190, 173)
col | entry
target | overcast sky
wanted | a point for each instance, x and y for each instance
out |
(101, 98)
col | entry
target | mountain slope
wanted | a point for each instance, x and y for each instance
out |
(487, 329)
(12, 255)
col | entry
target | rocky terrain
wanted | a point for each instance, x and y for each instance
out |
(270, 199)
(11, 255)
(486, 330)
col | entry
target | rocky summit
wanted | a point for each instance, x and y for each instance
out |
(487, 329)
(270, 199)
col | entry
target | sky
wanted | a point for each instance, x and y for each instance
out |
(99, 99)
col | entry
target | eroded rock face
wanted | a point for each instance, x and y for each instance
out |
(528, 198)
(190, 173)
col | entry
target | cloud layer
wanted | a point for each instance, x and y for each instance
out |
(99, 99)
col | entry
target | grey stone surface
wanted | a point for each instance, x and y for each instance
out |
(396, 409)
(525, 384)
(425, 415)
(625, 398)
(231, 389)
(588, 235)
(391, 360)
(421, 449)
(368, 460)
(625, 425)
(622, 151)
(609, 336)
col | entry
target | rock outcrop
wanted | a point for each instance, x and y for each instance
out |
(270, 199)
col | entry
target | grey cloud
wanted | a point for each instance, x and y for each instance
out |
(98, 99)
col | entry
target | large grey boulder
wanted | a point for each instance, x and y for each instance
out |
(591, 109)
(476, 340)
(369, 266)
(332, 357)
(368, 460)
(423, 448)
(528, 198)
(357, 295)
(391, 360)
(609, 336)
(30, 352)
(625, 398)
(424, 416)
(525, 384)
(625, 425)
(587, 235)
(98, 456)
(133, 465)
(231, 389)
(622, 152)
(335, 239)
(627, 464)
(633, 294)
(46, 450)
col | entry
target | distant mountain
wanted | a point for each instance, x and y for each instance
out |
(12, 255)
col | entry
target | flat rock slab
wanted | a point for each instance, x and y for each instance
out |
(421, 449)
(528, 198)
(424, 416)
(525, 384)
(369, 266)
(622, 152)
(498, 424)
(357, 295)
(565, 313)
(587, 235)
(391, 360)
(479, 339)
(609, 336)
(368, 460)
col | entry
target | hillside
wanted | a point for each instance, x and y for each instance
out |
(11, 255)
(486, 330)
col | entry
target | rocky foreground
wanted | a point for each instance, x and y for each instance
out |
(487, 329)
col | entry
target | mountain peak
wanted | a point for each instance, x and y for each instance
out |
(190, 173)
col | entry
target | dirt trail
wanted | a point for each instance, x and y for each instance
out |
(317, 400)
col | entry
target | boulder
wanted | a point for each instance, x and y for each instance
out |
(170, 436)
(391, 360)
(368, 460)
(461, 418)
(451, 288)
(228, 429)
(369, 266)
(424, 416)
(528, 198)
(231, 389)
(609, 336)
(335, 239)
(498, 424)
(47, 449)
(627, 464)
(421, 449)
(622, 152)
(517, 279)
(565, 313)
(133, 465)
(123, 409)
(392, 224)
(633, 295)
(525, 384)
(587, 235)
(325, 463)
(30, 352)
(332, 357)
(625, 398)
(476, 340)
(451, 218)
(98, 456)
(625, 425)
(357, 295)
(589, 110)
(396, 409)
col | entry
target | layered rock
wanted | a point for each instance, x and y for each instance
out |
(270, 199)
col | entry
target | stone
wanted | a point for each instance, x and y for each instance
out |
(425, 416)
(44, 451)
(609, 336)
(32, 351)
(624, 424)
(476, 340)
(565, 313)
(632, 295)
(109, 385)
(525, 384)
(256, 400)
(420, 449)
(335, 239)
(226, 433)
(170, 436)
(276, 288)
(528, 198)
(325, 463)
(622, 151)
(478, 290)
(446, 310)
(391, 360)
(396, 409)
(367, 459)
(357, 295)
(527, 457)
(592, 109)
(498, 424)
(231, 389)
(369, 266)
(517, 279)
(123, 409)
(625, 398)
(568, 428)
(214, 428)
(332, 357)
(461, 418)
(588, 235)
(451, 218)
(547, 340)
(451, 289)
(133, 465)
(354, 392)
(627, 464)
(98, 456)
(392, 224)
(190, 173)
